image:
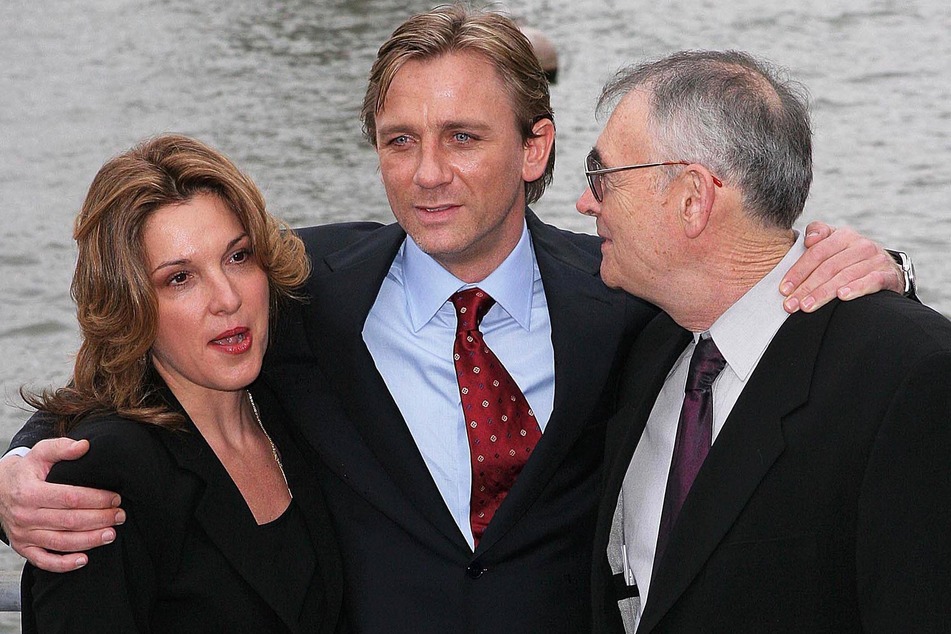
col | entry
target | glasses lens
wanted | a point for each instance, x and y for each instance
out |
(591, 164)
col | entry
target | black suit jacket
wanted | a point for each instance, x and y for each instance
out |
(407, 567)
(183, 561)
(825, 502)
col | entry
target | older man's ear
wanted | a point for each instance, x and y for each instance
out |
(697, 191)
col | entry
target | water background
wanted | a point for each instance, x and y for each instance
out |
(278, 86)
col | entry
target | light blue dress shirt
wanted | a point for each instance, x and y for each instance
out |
(410, 332)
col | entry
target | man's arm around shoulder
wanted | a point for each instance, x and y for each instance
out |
(39, 517)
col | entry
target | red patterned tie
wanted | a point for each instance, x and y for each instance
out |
(694, 434)
(501, 426)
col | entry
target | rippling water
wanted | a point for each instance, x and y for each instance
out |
(278, 86)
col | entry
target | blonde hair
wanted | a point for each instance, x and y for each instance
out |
(457, 29)
(116, 304)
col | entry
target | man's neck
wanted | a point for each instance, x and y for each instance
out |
(481, 258)
(725, 273)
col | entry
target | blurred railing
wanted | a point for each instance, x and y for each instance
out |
(10, 591)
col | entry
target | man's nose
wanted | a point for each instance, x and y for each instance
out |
(587, 204)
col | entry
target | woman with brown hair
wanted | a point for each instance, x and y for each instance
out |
(179, 272)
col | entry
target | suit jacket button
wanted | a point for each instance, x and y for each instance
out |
(475, 570)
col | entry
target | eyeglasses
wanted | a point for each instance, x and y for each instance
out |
(594, 171)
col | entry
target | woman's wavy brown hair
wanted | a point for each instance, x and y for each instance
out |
(116, 304)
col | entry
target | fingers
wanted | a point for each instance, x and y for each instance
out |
(40, 517)
(843, 264)
(875, 280)
(25, 493)
(31, 535)
(61, 530)
(817, 231)
(850, 282)
(75, 520)
(23, 485)
(65, 542)
(55, 563)
(798, 282)
(66, 496)
(37, 505)
(58, 550)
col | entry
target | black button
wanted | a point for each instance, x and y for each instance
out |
(474, 571)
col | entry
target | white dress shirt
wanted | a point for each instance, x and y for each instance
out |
(410, 332)
(742, 334)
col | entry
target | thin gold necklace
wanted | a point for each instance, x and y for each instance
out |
(274, 453)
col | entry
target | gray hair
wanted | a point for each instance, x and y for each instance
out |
(736, 116)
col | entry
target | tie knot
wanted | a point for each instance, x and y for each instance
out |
(705, 365)
(471, 306)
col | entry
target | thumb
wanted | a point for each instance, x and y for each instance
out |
(52, 450)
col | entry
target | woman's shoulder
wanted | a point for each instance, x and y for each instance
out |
(122, 452)
(113, 437)
(112, 426)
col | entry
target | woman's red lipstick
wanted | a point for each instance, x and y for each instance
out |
(234, 341)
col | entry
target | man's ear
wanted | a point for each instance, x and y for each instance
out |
(697, 192)
(537, 150)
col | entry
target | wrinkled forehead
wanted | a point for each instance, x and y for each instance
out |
(625, 132)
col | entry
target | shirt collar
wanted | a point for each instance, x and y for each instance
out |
(744, 331)
(428, 285)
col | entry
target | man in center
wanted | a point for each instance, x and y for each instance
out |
(463, 146)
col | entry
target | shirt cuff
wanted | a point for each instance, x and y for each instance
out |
(17, 451)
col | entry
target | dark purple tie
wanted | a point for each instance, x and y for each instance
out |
(694, 432)
(501, 426)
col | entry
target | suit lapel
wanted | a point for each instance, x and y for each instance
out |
(578, 304)
(745, 449)
(342, 292)
(220, 510)
(325, 595)
(646, 368)
(648, 364)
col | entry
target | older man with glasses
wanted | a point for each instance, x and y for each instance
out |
(765, 472)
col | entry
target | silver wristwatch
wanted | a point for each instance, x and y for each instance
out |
(907, 270)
